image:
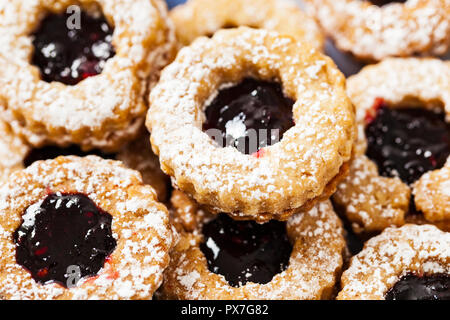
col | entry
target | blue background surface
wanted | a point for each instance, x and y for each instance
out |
(173, 3)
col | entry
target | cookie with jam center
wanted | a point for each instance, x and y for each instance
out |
(253, 124)
(198, 18)
(79, 228)
(12, 151)
(221, 258)
(77, 72)
(399, 172)
(373, 30)
(407, 263)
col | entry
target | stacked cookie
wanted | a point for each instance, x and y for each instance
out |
(276, 160)
(202, 110)
(74, 83)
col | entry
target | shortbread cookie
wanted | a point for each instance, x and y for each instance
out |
(81, 228)
(374, 30)
(408, 263)
(419, 218)
(252, 123)
(432, 194)
(12, 151)
(403, 107)
(77, 72)
(204, 17)
(220, 258)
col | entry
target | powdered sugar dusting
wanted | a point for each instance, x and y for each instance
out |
(293, 171)
(396, 29)
(140, 226)
(12, 151)
(108, 108)
(373, 202)
(316, 260)
(391, 255)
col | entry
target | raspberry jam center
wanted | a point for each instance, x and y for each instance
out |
(71, 55)
(412, 287)
(249, 116)
(245, 251)
(52, 152)
(65, 233)
(381, 3)
(408, 142)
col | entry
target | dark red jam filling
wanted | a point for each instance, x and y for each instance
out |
(66, 232)
(52, 152)
(71, 55)
(408, 142)
(245, 251)
(412, 287)
(381, 3)
(252, 104)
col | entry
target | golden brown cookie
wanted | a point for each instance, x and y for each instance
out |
(120, 233)
(93, 94)
(374, 32)
(394, 264)
(313, 267)
(204, 17)
(138, 156)
(275, 181)
(432, 194)
(396, 103)
(12, 151)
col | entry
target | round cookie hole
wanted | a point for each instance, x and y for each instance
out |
(72, 47)
(249, 116)
(245, 251)
(63, 236)
(427, 287)
(418, 140)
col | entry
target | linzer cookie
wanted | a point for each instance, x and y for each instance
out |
(220, 258)
(204, 17)
(77, 72)
(376, 29)
(253, 124)
(81, 228)
(403, 107)
(408, 263)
